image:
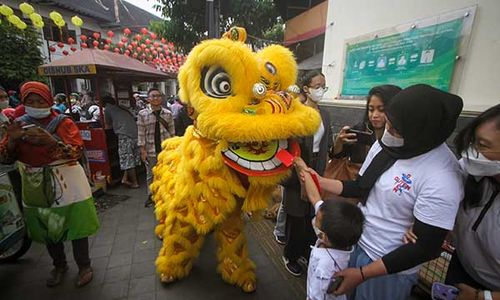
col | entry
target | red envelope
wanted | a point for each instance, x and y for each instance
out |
(285, 157)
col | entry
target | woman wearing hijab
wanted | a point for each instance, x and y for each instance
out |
(410, 177)
(346, 144)
(56, 194)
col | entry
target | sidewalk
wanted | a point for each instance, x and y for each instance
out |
(123, 255)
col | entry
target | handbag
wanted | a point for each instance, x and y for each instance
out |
(340, 169)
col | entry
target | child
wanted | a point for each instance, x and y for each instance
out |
(338, 225)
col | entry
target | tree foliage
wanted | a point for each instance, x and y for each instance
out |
(19, 54)
(185, 22)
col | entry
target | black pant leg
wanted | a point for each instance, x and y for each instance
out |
(56, 252)
(295, 233)
(81, 252)
(309, 236)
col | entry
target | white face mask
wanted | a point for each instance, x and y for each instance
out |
(392, 141)
(477, 165)
(4, 104)
(316, 94)
(37, 113)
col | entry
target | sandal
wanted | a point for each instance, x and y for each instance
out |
(84, 277)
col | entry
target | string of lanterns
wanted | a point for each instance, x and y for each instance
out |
(145, 46)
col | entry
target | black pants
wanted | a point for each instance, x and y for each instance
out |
(80, 253)
(300, 237)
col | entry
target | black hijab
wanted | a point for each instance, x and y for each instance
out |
(425, 117)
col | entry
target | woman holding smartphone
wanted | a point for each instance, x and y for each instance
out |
(58, 203)
(354, 142)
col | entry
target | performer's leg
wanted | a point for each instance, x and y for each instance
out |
(234, 264)
(181, 245)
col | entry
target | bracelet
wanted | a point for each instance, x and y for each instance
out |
(362, 274)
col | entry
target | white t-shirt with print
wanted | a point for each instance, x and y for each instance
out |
(428, 187)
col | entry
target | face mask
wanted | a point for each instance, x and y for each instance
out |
(4, 104)
(37, 113)
(316, 94)
(319, 234)
(477, 165)
(391, 141)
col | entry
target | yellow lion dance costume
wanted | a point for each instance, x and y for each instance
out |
(225, 164)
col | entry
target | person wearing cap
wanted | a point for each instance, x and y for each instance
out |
(47, 147)
(409, 178)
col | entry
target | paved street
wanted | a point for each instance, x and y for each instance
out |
(123, 254)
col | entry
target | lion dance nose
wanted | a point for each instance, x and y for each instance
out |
(269, 101)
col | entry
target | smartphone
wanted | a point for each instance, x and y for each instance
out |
(363, 137)
(334, 284)
(442, 291)
(26, 127)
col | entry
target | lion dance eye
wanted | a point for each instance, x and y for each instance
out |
(216, 82)
(270, 68)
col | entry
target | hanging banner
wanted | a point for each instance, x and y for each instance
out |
(418, 55)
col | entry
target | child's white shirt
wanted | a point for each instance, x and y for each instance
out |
(322, 267)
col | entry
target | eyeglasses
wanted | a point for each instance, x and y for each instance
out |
(155, 96)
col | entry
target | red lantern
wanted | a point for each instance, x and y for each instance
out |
(117, 50)
(65, 52)
(162, 56)
(52, 49)
(143, 46)
(110, 33)
(95, 43)
(144, 30)
(73, 49)
(84, 45)
(124, 40)
(148, 42)
(135, 55)
(150, 57)
(155, 53)
(165, 47)
(106, 47)
(156, 44)
(71, 41)
(138, 49)
(130, 47)
(120, 44)
(83, 37)
(163, 40)
(127, 31)
(138, 37)
(96, 35)
(153, 35)
(108, 41)
(147, 50)
(127, 52)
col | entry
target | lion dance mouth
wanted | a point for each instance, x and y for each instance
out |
(259, 158)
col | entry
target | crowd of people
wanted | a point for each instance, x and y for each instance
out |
(381, 195)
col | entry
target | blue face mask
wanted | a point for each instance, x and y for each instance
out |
(37, 113)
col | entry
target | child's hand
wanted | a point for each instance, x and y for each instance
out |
(410, 237)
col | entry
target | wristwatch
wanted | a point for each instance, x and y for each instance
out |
(487, 295)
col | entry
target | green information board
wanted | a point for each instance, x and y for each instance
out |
(420, 55)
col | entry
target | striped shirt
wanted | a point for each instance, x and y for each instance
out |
(146, 121)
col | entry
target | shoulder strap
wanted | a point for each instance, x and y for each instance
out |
(54, 123)
(162, 121)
